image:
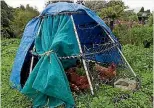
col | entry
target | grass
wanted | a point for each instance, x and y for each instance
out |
(139, 58)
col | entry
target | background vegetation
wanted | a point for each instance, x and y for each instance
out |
(14, 20)
(127, 27)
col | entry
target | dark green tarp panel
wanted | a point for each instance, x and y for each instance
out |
(47, 84)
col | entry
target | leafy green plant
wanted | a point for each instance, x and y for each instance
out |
(135, 35)
(22, 16)
(139, 58)
(150, 20)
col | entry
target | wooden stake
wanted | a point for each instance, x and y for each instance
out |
(32, 61)
(121, 54)
(84, 63)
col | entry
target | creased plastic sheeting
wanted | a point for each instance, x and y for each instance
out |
(32, 28)
(47, 83)
(26, 41)
(94, 34)
(58, 7)
(63, 6)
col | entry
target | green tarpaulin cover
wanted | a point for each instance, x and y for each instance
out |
(47, 84)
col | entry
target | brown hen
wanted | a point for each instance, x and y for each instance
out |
(106, 73)
(76, 80)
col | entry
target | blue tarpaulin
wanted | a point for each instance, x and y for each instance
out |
(31, 30)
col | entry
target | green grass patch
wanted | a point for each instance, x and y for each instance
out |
(140, 59)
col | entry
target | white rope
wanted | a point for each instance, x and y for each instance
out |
(101, 49)
(88, 27)
(61, 13)
(47, 53)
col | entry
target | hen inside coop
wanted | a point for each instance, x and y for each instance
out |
(99, 61)
(104, 61)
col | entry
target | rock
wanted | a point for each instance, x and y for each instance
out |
(125, 84)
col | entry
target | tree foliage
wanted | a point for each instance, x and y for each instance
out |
(150, 20)
(142, 11)
(112, 10)
(6, 18)
(21, 17)
(95, 5)
(129, 16)
(13, 20)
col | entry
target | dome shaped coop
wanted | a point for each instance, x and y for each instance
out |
(64, 38)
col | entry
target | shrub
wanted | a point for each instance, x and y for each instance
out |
(6, 19)
(150, 20)
(135, 35)
(22, 16)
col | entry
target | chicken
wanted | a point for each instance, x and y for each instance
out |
(77, 81)
(106, 73)
(74, 87)
(72, 75)
(82, 82)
